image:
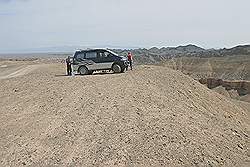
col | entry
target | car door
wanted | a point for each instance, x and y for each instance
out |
(105, 59)
(92, 60)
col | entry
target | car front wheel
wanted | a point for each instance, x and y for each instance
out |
(117, 68)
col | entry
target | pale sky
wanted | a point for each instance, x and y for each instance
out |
(140, 23)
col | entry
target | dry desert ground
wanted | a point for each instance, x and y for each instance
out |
(151, 116)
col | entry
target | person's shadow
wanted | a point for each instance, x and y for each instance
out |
(62, 75)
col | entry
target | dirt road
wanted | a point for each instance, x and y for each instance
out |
(12, 69)
(22, 71)
(152, 116)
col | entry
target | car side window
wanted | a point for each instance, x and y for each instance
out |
(80, 56)
(91, 55)
(107, 54)
(102, 55)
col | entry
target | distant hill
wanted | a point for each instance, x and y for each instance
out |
(190, 48)
(155, 55)
(242, 49)
(141, 55)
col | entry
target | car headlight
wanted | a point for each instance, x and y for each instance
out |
(124, 59)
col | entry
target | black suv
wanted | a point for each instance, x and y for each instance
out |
(87, 61)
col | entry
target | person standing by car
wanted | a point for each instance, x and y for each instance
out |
(130, 60)
(68, 65)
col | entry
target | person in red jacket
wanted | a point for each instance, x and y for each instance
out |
(130, 60)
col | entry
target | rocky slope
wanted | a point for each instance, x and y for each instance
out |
(226, 68)
(242, 87)
(152, 116)
(239, 90)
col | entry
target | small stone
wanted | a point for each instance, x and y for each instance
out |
(240, 146)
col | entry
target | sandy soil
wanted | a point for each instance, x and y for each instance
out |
(11, 69)
(152, 116)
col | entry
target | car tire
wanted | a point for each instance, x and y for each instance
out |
(123, 70)
(117, 68)
(83, 70)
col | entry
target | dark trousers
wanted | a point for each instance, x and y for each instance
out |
(69, 70)
(131, 64)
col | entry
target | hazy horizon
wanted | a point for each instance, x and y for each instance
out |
(31, 24)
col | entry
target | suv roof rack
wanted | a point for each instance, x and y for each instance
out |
(89, 49)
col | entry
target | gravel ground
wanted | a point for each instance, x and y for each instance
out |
(152, 116)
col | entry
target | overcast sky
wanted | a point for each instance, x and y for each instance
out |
(140, 23)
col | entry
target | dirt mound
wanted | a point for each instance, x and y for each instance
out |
(152, 116)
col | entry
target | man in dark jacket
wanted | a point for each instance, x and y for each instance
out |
(68, 65)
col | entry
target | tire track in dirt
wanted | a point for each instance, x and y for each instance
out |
(23, 71)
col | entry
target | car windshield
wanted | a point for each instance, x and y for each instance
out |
(112, 52)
